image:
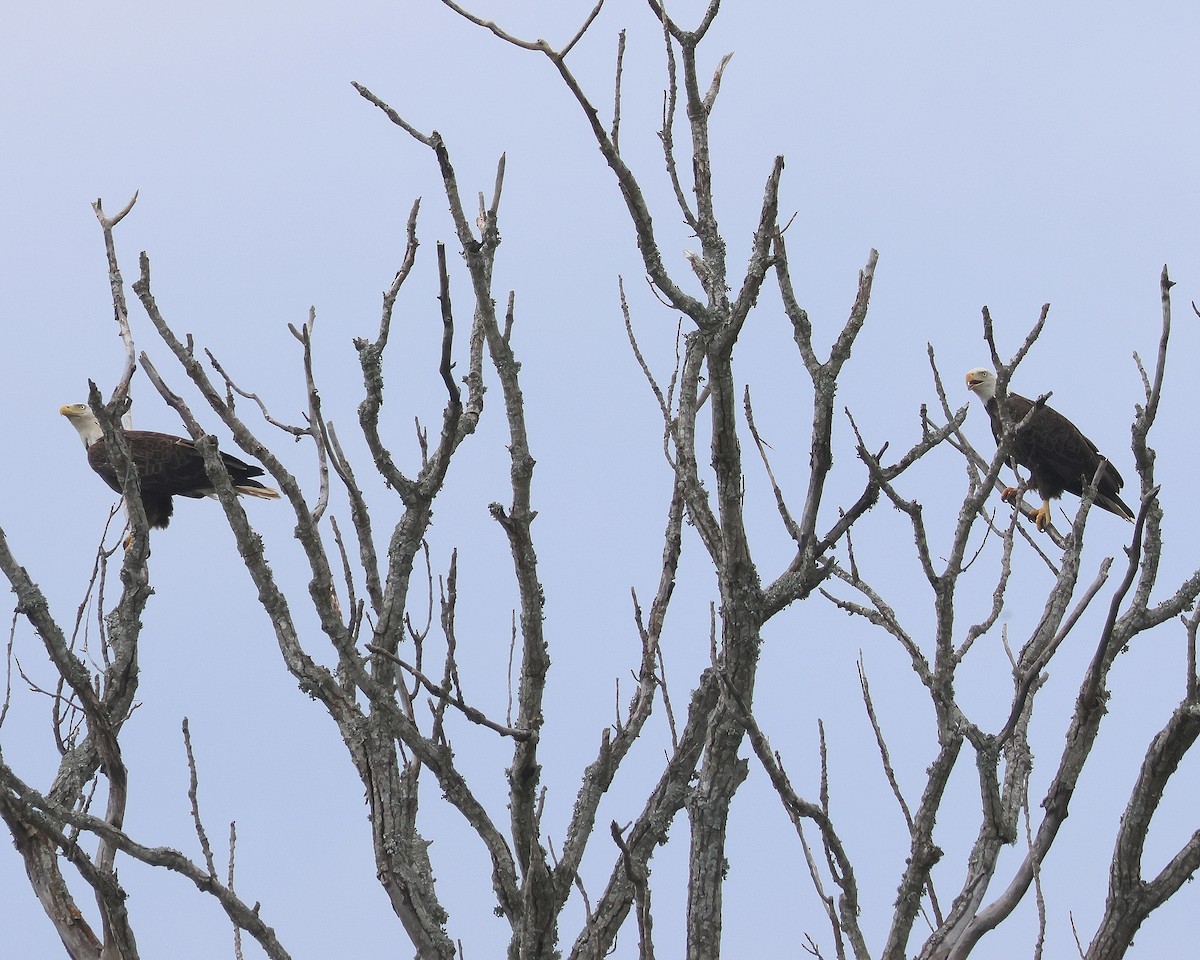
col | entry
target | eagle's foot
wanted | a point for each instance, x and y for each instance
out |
(1042, 517)
(129, 539)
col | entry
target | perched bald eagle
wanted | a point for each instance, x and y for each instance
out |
(167, 466)
(1051, 447)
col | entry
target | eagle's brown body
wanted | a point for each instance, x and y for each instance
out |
(1058, 456)
(169, 467)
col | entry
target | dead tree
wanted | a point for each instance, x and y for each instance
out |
(1002, 757)
(393, 712)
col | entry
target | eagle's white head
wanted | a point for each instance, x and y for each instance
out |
(83, 420)
(982, 383)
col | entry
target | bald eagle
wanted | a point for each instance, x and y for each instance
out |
(167, 466)
(1051, 447)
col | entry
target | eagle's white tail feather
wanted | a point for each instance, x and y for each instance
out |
(266, 493)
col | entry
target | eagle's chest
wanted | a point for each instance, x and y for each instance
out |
(1033, 440)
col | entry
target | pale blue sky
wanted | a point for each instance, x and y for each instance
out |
(1002, 156)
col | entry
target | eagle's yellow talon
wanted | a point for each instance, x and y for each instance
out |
(1042, 518)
